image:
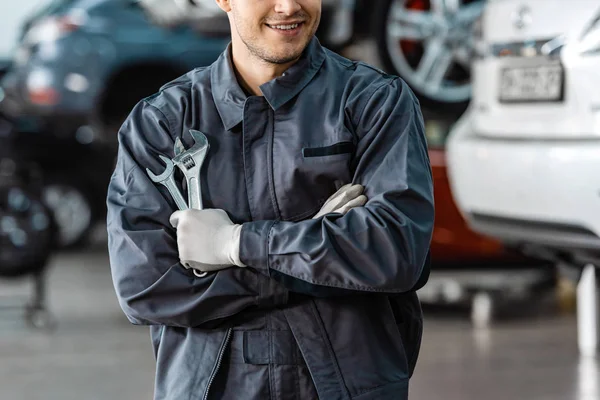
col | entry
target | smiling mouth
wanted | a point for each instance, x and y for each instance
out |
(286, 27)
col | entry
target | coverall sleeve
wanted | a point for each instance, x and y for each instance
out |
(152, 287)
(381, 247)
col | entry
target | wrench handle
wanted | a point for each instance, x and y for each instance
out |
(194, 194)
(195, 199)
(176, 195)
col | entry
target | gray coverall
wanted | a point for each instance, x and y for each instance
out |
(327, 307)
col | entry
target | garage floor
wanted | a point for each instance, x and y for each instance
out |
(95, 354)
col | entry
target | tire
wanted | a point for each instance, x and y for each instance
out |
(444, 86)
(72, 207)
(26, 231)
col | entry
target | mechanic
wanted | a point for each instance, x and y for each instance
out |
(315, 229)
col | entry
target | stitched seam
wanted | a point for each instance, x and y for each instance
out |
(272, 358)
(365, 288)
(216, 317)
(379, 387)
(273, 394)
(297, 381)
(196, 394)
(297, 378)
(268, 245)
(246, 158)
(309, 212)
(243, 145)
(330, 350)
(270, 156)
(375, 90)
(163, 114)
(130, 170)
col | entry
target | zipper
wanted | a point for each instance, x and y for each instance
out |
(219, 361)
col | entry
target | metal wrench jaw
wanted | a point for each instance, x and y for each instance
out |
(200, 139)
(167, 178)
(190, 162)
(170, 167)
(200, 142)
(191, 165)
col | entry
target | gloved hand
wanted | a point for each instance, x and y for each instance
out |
(209, 241)
(346, 198)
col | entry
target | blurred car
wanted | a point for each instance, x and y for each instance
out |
(523, 159)
(80, 67)
(87, 62)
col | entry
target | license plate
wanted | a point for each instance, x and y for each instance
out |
(539, 83)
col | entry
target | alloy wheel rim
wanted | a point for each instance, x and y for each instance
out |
(440, 30)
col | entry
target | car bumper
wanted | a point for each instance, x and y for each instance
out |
(453, 244)
(527, 192)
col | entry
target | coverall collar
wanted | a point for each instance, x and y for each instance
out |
(229, 97)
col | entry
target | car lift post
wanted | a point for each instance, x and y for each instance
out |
(587, 312)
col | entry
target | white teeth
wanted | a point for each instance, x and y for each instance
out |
(286, 27)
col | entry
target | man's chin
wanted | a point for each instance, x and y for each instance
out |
(283, 59)
(287, 56)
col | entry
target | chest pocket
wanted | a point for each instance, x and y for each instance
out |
(315, 172)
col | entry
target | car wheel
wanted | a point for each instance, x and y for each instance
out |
(72, 211)
(429, 44)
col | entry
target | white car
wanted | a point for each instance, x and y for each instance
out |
(524, 159)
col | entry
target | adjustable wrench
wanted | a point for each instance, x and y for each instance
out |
(190, 162)
(167, 179)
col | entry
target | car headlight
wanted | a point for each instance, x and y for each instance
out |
(589, 41)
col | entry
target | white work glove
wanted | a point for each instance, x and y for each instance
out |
(209, 241)
(346, 198)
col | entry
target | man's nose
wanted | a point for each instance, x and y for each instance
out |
(287, 7)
